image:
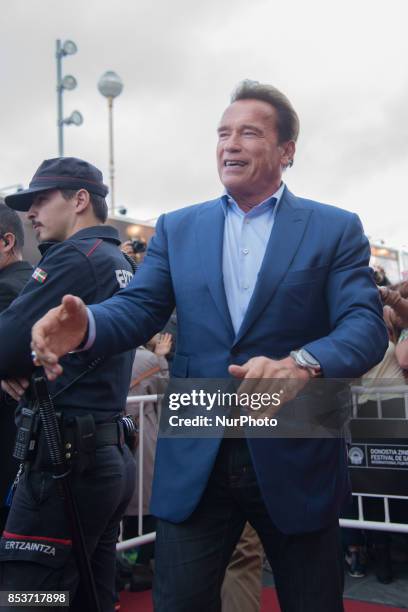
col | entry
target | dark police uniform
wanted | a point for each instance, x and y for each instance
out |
(36, 546)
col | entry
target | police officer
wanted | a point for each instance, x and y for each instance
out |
(14, 273)
(65, 203)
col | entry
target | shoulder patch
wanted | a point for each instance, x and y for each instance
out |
(123, 277)
(40, 275)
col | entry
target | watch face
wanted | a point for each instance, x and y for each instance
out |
(308, 359)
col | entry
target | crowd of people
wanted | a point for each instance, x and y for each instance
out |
(254, 286)
(372, 545)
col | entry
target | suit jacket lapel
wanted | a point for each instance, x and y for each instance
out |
(210, 239)
(286, 236)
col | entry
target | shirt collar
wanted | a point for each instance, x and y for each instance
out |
(271, 201)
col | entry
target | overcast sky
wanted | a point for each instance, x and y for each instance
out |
(342, 63)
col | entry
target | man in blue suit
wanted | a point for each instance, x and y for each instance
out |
(267, 285)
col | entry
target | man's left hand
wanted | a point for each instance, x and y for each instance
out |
(264, 375)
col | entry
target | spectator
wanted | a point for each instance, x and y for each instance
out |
(389, 371)
(380, 277)
(242, 586)
(398, 303)
(14, 271)
(171, 328)
(149, 374)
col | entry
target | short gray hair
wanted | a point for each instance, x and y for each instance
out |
(287, 118)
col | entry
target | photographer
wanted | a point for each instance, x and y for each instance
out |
(135, 249)
(66, 206)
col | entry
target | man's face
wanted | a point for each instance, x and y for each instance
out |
(250, 159)
(52, 216)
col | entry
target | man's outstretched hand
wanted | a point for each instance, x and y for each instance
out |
(57, 333)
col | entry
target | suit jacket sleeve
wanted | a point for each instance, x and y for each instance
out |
(136, 313)
(359, 338)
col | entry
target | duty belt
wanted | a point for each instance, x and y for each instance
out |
(105, 434)
(81, 437)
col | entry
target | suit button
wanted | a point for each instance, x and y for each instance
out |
(234, 350)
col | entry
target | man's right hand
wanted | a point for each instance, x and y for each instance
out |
(57, 333)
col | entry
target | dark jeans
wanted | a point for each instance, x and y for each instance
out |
(43, 556)
(192, 556)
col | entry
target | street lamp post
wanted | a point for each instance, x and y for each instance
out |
(67, 82)
(110, 85)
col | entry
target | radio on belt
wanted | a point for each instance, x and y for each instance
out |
(25, 438)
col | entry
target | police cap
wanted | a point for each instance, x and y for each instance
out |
(59, 173)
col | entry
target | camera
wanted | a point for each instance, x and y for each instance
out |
(138, 246)
(380, 277)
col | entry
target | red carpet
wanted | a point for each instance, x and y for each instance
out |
(142, 602)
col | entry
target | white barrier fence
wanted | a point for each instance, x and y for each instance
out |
(378, 392)
(141, 538)
(385, 525)
(359, 523)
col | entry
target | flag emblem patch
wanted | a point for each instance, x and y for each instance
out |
(40, 275)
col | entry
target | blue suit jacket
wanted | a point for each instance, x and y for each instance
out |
(314, 290)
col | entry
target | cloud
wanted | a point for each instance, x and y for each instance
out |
(339, 63)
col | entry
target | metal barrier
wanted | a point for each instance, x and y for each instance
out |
(357, 390)
(359, 523)
(386, 525)
(148, 537)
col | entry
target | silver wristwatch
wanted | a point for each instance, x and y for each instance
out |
(305, 360)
